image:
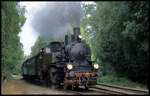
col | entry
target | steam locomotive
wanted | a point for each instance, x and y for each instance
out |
(69, 64)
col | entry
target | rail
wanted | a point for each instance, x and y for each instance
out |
(121, 90)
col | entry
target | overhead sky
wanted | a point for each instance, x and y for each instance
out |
(27, 36)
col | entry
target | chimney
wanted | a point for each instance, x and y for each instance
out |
(76, 32)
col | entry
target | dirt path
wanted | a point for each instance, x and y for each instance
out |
(18, 86)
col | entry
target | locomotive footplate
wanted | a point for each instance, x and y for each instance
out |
(80, 78)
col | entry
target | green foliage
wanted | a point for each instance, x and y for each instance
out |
(119, 37)
(107, 79)
(86, 21)
(12, 21)
(120, 81)
(136, 34)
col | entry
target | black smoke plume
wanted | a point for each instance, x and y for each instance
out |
(54, 19)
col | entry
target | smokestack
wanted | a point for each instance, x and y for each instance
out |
(76, 32)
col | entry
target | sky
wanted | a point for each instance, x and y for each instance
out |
(27, 35)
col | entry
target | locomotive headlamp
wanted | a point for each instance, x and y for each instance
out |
(80, 36)
(96, 66)
(69, 66)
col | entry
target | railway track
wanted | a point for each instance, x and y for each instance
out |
(120, 90)
(104, 89)
(91, 91)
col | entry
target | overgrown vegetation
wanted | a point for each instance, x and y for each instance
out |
(12, 50)
(118, 35)
(120, 81)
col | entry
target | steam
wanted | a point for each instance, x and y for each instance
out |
(54, 19)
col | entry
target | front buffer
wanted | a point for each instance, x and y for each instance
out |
(75, 79)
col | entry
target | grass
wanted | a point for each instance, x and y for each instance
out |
(122, 81)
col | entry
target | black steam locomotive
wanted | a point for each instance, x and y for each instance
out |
(66, 64)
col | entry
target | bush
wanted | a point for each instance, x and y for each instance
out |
(120, 81)
(107, 79)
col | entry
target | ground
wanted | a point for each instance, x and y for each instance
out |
(18, 86)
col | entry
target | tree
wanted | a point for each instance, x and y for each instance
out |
(119, 40)
(12, 21)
